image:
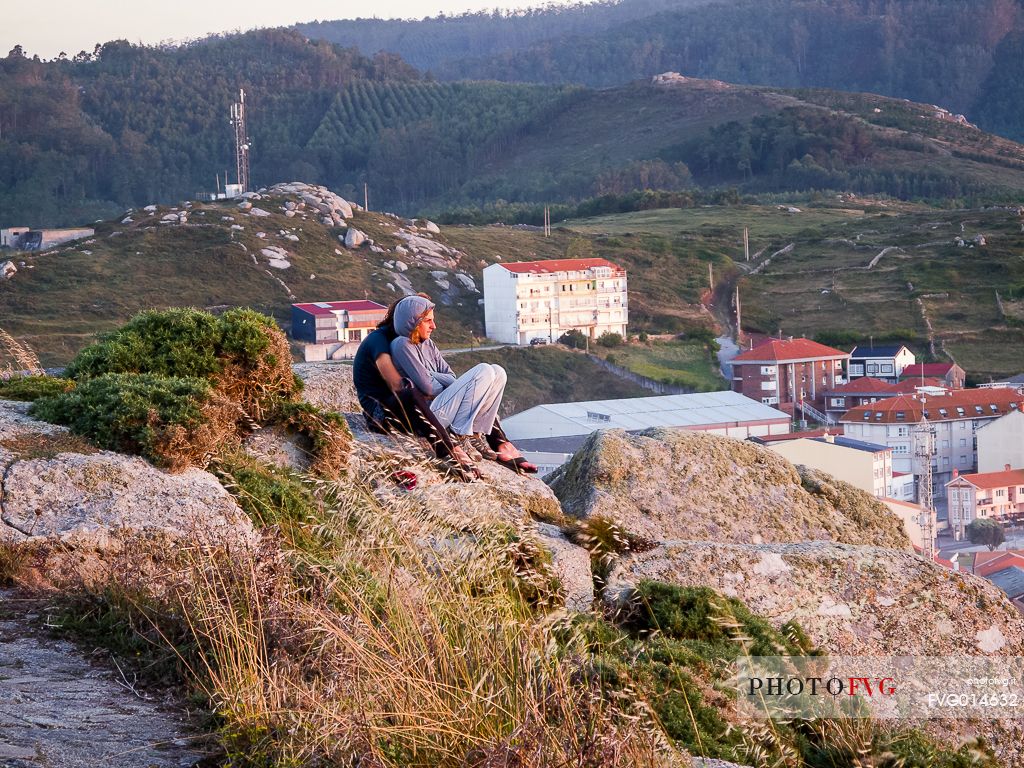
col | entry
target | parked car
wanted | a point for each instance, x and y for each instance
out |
(539, 341)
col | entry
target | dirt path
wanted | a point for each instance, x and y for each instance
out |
(58, 710)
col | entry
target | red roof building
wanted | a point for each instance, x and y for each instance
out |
(789, 372)
(868, 389)
(951, 374)
(953, 418)
(323, 322)
(528, 302)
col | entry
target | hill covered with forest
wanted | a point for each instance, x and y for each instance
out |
(130, 125)
(965, 56)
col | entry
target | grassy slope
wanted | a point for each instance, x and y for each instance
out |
(549, 374)
(824, 285)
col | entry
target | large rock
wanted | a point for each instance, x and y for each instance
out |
(354, 238)
(328, 386)
(80, 500)
(850, 600)
(671, 484)
(7, 270)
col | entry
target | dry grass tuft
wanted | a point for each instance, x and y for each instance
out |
(17, 357)
(178, 447)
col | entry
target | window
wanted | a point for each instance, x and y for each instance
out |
(867, 415)
(963, 459)
(885, 368)
(767, 370)
(878, 415)
(901, 450)
(959, 411)
(943, 412)
(1000, 491)
(994, 409)
(900, 415)
(978, 409)
(945, 461)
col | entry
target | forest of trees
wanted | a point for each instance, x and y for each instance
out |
(88, 136)
(966, 55)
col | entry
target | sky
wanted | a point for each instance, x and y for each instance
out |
(47, 28)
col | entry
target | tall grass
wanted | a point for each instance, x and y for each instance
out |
(411, 644)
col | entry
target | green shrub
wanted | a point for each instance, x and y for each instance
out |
(174, 422)
(173, 342)
(243, 352)
(327, 432)
(609, 339)
(575, 339)
(34, 387)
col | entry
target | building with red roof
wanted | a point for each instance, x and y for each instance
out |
(540, 300)
(788, 372)
(325, 322)
(951, 374)
(954, 417)
(868, 389)
(985, 495)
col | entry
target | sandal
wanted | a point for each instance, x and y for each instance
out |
(479, 443)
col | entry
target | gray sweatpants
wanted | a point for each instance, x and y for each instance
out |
(470, 403)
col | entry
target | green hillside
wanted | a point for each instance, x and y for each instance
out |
(965, 56)
(829, 285)
(129, 125)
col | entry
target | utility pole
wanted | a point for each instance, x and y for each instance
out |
(739, 319)
(366, 196)
(746, 244)
(711, 277)
(547, 221)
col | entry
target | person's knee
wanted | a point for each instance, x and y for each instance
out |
(483, 373)
(500, 377)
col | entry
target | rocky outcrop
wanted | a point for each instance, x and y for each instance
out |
(671, 484)
(328, 386)
(83, 506)
(850, 600)
(354, 238)
(317, 197)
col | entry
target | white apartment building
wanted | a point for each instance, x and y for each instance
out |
(1001, 442)
(529, 300)
(955, 418)
(884, 361)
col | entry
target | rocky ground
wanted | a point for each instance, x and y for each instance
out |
(59, 708)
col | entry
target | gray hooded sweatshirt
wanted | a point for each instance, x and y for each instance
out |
(422, 363)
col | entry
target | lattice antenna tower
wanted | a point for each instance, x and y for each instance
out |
(924, 447)
(241, 141)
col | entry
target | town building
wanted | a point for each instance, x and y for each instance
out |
(867, 466)
(869, 389)
(1001, 442)
(881, 361)
(790, 373)
(995, 495)
(914, 520)
(951, 374)
(954, 417)
(546, 431)
(530, 300)
(1014, 382)
(326, 321)
(25, 239)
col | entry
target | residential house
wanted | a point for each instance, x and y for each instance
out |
(530, 300)
(995, 495)
(881, 361)
(561, 428)
(952, 375)
(1001, 442)
(788, 373)
(25, 239)
(954, 418)
(344, 322)
(867, 466)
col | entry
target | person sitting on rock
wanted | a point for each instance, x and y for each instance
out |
(390, 402)
(467, 405)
